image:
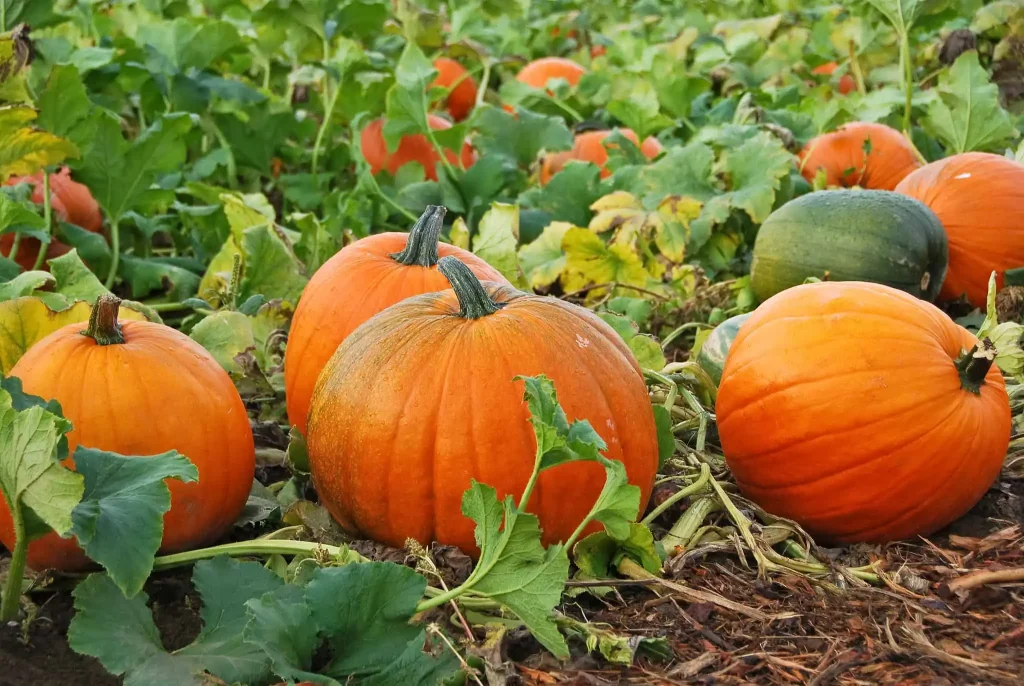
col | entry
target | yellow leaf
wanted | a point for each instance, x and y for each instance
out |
(590, 262)
(218, 275)
(543, 260)
(618, 200)
(460, 234)
(24, 150)
(25, 321)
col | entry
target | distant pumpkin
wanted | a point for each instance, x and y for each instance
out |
(460, 85)
(590, 147)
(411, 148)
(846, 83)
(872, 156)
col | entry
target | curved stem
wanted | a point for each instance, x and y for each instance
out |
(47, 220)
(13, 254)
(474, 303)
(103, 326)
(115, 251)
(325, 124)
(16, 571)
(908, 83)
(696, 487)
(421, 248)
(251, 548)
(974, 364)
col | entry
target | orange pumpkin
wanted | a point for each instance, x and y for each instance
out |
(70, 202)
(589, 147)
(411, 148)
(140, 388)
(872, 156)
(853, 409)
(979, 198)
(431, 383)
(356, 283)
(460, 85)
(846, 83)
(537, 73)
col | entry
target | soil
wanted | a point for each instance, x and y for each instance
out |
(929, 635)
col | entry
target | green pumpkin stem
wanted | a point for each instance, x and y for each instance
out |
(974, 364)
(103, 326)
(474, 302)
(423, 237)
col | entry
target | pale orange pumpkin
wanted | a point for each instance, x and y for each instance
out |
(872, 156)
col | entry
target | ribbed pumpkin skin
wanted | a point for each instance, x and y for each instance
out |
(841, 154)
(418, 401)
(859, 235)
(979, 198)
(589, 147)
(715, 349)
(354, 285)
(840, 407)
(158, 391)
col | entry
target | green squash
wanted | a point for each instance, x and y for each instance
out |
(851, 235)
(711, 357)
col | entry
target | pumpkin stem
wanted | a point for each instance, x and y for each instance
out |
(974, 364)
(474, 302)
(103, 326)
(421, 249)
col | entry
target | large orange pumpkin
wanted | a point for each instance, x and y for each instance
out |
(358, 282)
(139, 388)
(420, 400)
(854, 409)
(461, 87)
(537, 73)
(979, 198)
(411, 148)
(872, 156)
(70, 202)
(589, 147)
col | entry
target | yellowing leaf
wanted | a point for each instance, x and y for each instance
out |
(24, 150)
(672, 234)
(590, 262)
(459, 234)
(616, 201)
(497, 238)
(25, 321)
(543, 260)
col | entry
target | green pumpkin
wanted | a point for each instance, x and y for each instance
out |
(711, 357)
(851, 235)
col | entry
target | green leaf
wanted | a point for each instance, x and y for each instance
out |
(645, 349)
(616, 648)
(364, 610)
(618, 504)
(187, 43)
(119, 521)
(121, 634)
(520, 138)
(900, 13)
(35, 13)
(406, 108)
(598, 555)
(967, 115)
(755, 171)
(74, 279)
(225, 334)
(568, 195)
(1006, 337)
(271, 267)
(24, 149)
(639, 109)
(666, 439)
(557, 440)
(543, 260)
(120, 174)
(17, 214)
(514, 569)
(64, 106)
(685, 171)
(31, 477)
(589, 261)
(496, 240)
(281, 624)
(24, 284)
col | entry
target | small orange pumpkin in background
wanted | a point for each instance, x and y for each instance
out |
(411, 148)
(846, 83)
(855, 410)
(872, 156)
(461, 87)
(362, 279)
(420, 400)
(537, 73)
(589, 147)
(70, 202)
(140, 388)
(979, 198)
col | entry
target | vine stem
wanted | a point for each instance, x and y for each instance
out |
(858, 75)
(908, 84)
(694, 488)
(328, 114)
(47, 220)
(115, 251)
(13, 254)
(16, 571)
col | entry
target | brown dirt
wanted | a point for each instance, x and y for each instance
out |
(928, 635)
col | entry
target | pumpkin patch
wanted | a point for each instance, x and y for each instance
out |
(442, 343)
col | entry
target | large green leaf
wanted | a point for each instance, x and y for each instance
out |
(520, 137)
(900, 13)
(967, 115)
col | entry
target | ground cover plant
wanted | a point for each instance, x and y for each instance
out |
(533, 342)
